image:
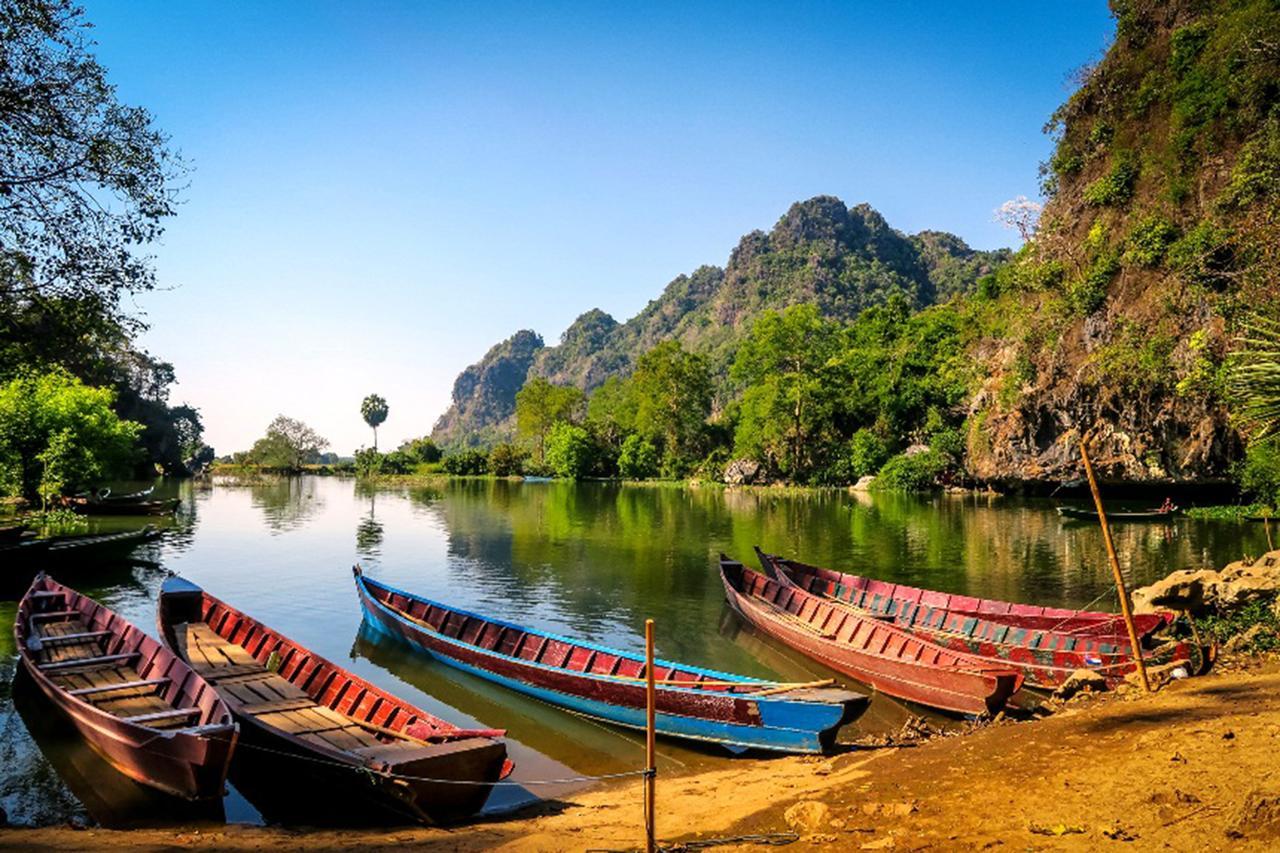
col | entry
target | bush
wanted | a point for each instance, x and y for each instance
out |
(368, 462)
(917, 473)
(1204, 256)
(1115, 187)
(1224, 627)
(571, 451)
(866, 453)
(1259, 473)
(638, 459)
(420, 450)
(1087, 294)
(1148, 241)
(506, 460)
(949, 442)
(466, 463)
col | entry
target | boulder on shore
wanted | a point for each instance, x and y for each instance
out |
(743, 472)
(1202, 591)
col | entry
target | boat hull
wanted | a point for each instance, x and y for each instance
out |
(919, 672)
(734, 721)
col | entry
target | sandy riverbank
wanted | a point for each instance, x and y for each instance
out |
(1189, 768)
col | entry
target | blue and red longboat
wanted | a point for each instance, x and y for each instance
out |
(735, 711)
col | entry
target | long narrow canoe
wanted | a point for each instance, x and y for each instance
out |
(1082, 514)
(887, 599)
(132, 700)
(351, 741)
(873, 651)
(89, 506)
(1046, 657)
(606, 684)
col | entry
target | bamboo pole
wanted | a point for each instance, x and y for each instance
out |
(1134, 647)
(650, 740)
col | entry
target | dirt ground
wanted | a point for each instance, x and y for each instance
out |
(1192, 767)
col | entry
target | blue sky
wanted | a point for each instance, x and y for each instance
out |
(381, 191)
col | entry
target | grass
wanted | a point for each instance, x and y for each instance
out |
(1229, 512)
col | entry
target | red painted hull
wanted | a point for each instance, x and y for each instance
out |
(874, 652)
(1046, 657)
(189, 763)
(473, 759)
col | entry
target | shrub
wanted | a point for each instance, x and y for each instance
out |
(1256, 174)
(916, 473)
(1259, 473)
(638, 459)
(571, 451)
(368, 462)
(1205, 256)
(949, 442)
(420, 450)
(1088, 293)
(867, 452)
(1224, 627)
(1115, 187)
(466, 462)
(1148, 241)
(506, 460)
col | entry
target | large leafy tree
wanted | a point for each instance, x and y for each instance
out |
(540, 405)
(374, 411)
(288, 444)
(671, 390)
(790, 367)
(59, 436)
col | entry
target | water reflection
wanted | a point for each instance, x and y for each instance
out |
(287, 503)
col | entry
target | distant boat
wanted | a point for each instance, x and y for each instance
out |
(340, 738)
(1082, 514)
(1047, 649)
(131, 699)
(539, 479)
(874, 651)
(93, 506)
(605, 684)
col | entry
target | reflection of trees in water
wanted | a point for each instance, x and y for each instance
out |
(30, 789)
(369, 530)
(287, 503)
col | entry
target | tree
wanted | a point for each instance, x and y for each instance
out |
(84, 179)
(571, 452)
(58, 435)
(288, 444)
(539, 406)
(611, 412)
(638, 459)
(506, 460)
(672, 393)
(789, 365)
(421, 450)
(374, 412)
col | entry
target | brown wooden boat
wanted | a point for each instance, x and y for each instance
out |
(875, 652)
(346, 738)
(92, 506)
(132, 700)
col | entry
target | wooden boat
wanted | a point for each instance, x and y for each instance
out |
(1077, 513)
(1046, 656)
(90, 506)
(74, 549)
(697, 704)
(875, 652)
(349, 738)
(106, 496)
(132, 700)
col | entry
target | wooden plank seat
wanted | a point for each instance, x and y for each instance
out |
(162, 716)
(50, 615)
(97, 661)
(121, 685)
(54, 639)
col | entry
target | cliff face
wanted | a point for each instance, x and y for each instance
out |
(1159, 237)
(841, 259)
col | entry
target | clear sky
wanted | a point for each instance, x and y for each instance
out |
(381, 191)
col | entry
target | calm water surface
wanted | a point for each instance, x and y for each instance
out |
(589, 560)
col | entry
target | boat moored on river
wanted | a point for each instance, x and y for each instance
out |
(606, 684)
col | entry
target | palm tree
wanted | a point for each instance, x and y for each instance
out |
(1255, 378)
(374, 410)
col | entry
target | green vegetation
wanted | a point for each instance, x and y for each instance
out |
(540, 405)
(59, 436)
(1255, 614)
(374, 411)
(288, 445)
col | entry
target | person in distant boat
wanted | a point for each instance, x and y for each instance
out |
(1168, 506)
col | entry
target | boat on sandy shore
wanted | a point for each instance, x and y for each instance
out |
(1047, 655)
(874, 651)
(734, 711)
(132, 700)
(347, 741)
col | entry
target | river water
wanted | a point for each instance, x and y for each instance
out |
(589, 560)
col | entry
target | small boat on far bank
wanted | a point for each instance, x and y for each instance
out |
(606, 684)
(1077, 513)
(20, 559)
(93, 506)
(1047, 655)
(343, 740)
(874, 651)
(132, 700)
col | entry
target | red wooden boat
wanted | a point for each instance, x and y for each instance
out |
(1046, 657)
(349, 739)
(607, 684)
(132, 700)
(875, 652)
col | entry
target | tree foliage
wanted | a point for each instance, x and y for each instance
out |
(374, 411)
(288, 445)
(571, 451)
(60, 436)
(539, 406)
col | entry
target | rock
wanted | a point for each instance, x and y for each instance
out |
(743, 472)
(1081, 679)
(885, 843)
(916, 450)
(807, 816)
(1183, 590)
(864, 483)
(1258, 817)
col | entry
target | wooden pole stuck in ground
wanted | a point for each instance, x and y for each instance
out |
(650, 740)
(1135, 648)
